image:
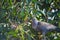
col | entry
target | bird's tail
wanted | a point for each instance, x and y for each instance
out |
(57, 30)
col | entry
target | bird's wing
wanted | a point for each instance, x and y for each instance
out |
(47, 25)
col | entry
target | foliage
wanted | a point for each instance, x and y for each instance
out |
(17, 12)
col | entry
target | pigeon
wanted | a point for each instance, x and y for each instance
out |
(43, 27)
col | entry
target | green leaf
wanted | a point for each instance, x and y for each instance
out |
(34, 0)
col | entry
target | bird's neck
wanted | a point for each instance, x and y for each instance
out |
(34, 22)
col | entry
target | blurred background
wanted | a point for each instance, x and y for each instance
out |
(14, 15)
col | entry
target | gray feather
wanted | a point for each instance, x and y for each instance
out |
(43, 26)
